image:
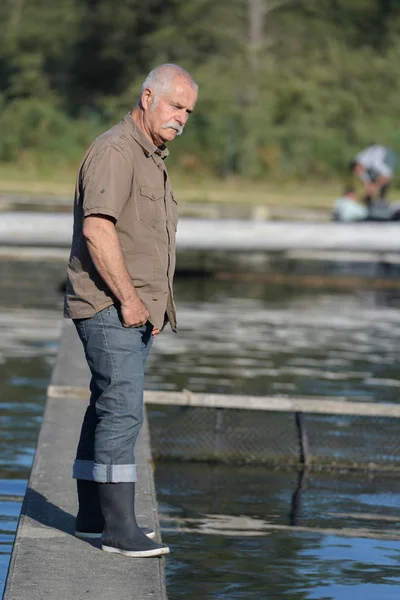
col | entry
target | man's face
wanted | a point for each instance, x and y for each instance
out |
(165, 115)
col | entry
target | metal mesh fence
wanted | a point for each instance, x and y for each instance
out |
(275, 438)
(354, 441)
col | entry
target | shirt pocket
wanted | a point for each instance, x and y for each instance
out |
(151, 205)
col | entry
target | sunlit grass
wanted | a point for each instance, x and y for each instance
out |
(59, 181)
(28, 180)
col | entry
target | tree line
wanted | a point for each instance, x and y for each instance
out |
(288, 88)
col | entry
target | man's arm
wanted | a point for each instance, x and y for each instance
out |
(105, 251)
(372, 188)
(381, 181)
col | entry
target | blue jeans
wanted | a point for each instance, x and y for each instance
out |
(116, 356)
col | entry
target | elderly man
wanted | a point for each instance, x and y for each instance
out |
(119, 294)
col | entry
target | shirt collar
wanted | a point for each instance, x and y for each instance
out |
(147, 145)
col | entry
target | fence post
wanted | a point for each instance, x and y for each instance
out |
(303, 439)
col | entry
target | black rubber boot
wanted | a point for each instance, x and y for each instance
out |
(89, 522)
(121, 533)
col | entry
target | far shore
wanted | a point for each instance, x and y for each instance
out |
(198, 194)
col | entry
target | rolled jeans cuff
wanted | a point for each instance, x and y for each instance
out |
(87, 469)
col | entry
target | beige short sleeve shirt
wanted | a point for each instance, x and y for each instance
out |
(123, 175)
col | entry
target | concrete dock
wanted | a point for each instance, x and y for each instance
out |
(48, 562)
(55, 230)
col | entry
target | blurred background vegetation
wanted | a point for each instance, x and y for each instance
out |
(289, 89)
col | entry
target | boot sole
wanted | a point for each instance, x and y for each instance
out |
(93, 536)
(87, 536)
(137, 553)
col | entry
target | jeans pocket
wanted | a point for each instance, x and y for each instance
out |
(112, 315)
(81, 329)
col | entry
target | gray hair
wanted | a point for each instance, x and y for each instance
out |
(160, 79)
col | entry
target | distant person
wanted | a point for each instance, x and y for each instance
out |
(119, 294)
(374, 166)
(348, 207)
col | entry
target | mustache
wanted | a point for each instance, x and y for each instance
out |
(173, 125)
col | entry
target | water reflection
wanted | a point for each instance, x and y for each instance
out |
(241, 338)
(231, 538)
(11, 496)
(258, 340)
(30, 327)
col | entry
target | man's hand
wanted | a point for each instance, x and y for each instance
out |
(134, 313)
(370, 189)
(381, 182)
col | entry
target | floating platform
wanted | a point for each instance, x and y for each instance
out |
(55, 230)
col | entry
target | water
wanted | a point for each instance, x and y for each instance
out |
(29, 331)
(231, 535)
(236, 532)
(261, 339)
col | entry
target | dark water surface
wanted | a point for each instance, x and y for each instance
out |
(235, 532)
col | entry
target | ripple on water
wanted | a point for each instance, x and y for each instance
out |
(307, 347)
(12, 492)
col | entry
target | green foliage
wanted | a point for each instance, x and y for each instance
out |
(32, 127)
(295, 98)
